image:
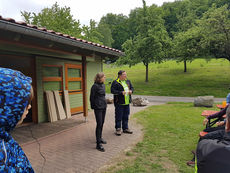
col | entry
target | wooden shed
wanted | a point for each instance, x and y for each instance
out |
(55, 61)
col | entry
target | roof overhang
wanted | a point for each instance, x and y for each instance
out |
(72, 44)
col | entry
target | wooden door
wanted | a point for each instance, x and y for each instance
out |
(74, 85)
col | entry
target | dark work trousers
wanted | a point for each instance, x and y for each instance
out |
(121, 116)
(217, 134)
(211, 129)
(100, 118)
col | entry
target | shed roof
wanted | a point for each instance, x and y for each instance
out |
(35, 31)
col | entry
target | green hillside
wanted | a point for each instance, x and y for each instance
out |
(168, 78)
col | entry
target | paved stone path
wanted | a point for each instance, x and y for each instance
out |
(73, 149)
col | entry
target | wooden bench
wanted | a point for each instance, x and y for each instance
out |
(220, 106)
(206, 113)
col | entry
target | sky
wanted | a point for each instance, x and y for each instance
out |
(82, 10)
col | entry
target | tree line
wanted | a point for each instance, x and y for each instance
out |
(182, 30)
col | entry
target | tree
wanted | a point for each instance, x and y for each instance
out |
(105, 31)
(55, 18)
(151, 42)
(210, 37)
(183, 39)
(170, 16)
(133, 22)
(184, 16)
(186, 45)
(91, 33)
(215, 28)
(219, 3)
(118, 27)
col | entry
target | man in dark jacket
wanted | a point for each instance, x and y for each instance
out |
(122, 90)
(213, 150)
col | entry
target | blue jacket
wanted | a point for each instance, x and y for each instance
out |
(14, 97)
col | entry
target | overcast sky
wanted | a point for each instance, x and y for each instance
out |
(82, 10)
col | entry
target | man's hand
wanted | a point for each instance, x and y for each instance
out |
(130, 92)
(123, 92)
(220, 123)
(205, 121)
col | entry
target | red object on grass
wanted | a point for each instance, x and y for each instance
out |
(202, 133)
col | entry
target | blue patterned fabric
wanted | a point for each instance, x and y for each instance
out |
(228, 98)
(14, 97)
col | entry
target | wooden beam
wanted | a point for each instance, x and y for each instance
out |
(74, 66)
(60, 109)
(76, 79)
(76, 110)
(67, 104)
(52, 79)
(84, 83)
(34, 84)
(66, 77)
(75, 92)
(51, 65)
(52, 113)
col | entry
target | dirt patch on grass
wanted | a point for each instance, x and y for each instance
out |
(168, 165)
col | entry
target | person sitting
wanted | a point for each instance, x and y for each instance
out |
(16, 94)
(218, 115)
(220, 126)
(213, 150)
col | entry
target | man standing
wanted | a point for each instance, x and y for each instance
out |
(122, 90)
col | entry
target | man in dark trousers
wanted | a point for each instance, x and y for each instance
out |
(213, 150)
(122, 90)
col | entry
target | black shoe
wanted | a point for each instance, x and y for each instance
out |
(100, 148)
(103, 141)
(127, 131)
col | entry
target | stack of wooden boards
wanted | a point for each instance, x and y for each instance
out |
(56, 111)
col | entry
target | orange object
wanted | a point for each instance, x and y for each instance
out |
(224, 104)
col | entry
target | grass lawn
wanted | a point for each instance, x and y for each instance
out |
(170, 133)
(168, 78)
